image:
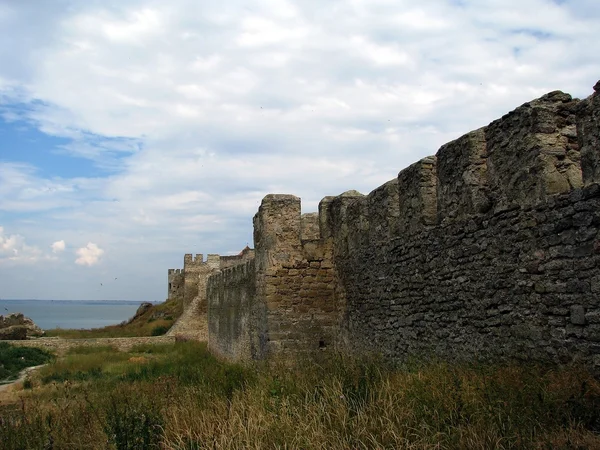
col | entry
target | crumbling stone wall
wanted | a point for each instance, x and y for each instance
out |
(488, 250)
(468, 193)
(229, 261)
(520, 283)
(295, 276)
(497, 250)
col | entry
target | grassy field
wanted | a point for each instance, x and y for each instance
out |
(180, 397)
(14, 359)
(156, 321)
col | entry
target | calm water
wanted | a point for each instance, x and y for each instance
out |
(48, 314)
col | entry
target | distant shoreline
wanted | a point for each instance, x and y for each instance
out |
(81, 301)
(72, 314)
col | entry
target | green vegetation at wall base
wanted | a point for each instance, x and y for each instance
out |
(178, 396)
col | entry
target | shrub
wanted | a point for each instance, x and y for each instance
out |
(14, 359)
(160, 330)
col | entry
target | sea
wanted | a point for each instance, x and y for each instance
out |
(77, 314)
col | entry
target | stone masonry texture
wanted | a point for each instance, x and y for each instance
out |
(488, 250)
(61, 346)
(236, 318)
(176, 284)
(532, 151)
(189, 285)
(588, 135)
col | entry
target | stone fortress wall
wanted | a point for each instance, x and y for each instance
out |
(189, 286)
(283, 299)
(186, 283)
(176, 283)
(488, 250)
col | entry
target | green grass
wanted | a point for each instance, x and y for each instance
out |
(14, 359)
(154, 322)
(178, 396)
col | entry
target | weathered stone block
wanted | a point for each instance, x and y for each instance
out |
(577, 315)
(462, 177)
(383, 209)
(532, 151)
(592, 317)
(314, 251)
(325, 225)
(417, 186)
(277, 226)
(339, 219)
(309, 226)
(588, 136)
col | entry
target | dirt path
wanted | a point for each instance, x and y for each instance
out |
(8, 391)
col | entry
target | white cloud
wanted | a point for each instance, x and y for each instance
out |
(58, 247)
(14, 249)
(381, 55)
(258, 31)
(192, 111)
(89, 255)
(24, 190)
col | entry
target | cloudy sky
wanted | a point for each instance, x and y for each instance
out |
(132, 132)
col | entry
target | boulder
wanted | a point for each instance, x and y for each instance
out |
(13, 333)
(16, 326)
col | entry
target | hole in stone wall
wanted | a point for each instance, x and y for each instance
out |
(170, 286)
(322, 344)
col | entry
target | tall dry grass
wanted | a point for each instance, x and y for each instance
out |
(180, 397)
(363, 406)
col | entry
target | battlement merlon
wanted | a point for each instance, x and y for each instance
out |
(190, 260)
(417, 186)
(325, 226)
(462, 178)
(213, 261)
(487, 168)
(277, 231)
(383, 211)
(532, 152)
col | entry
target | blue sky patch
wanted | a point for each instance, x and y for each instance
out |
(22, 142)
